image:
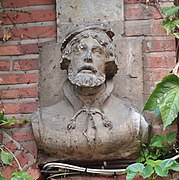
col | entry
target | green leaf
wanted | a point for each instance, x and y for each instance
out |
(130, 176)
(8, 122)
(153, 163)
(176, 34)
(140, 159)
(160, 171)
(136, 167)
(22, 175)
(175, 167)
(157, 112)
(6, 157)
(1, 116)
(147, 172)
(166, 97)
(157, 141)
(170, 137)
(167, 164)
(169, 27)
(170, 11)
(2, 177)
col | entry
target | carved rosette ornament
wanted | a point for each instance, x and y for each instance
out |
(89, 123)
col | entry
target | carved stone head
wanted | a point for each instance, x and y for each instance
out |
(88, 56)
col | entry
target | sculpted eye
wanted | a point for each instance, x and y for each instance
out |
(98, 51)
(79, 48)
(75, 49)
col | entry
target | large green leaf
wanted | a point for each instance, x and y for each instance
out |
(170, 11)
(166, 97)
(136, 167)
(161, 172)
(147, 172)
(130, 176)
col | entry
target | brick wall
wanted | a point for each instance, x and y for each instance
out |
(28, 25)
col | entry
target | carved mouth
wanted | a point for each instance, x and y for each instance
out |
(87, 69)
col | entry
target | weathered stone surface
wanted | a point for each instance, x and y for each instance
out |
(90, 123)
(51, 76)
(72, 13)
(128, 80)
(89, 10)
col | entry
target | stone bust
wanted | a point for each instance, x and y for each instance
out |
(89, 123)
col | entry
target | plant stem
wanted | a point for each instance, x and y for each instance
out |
(19, 166)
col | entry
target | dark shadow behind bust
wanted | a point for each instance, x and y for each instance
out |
(86, 121)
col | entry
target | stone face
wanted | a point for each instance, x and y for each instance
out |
(128, 80)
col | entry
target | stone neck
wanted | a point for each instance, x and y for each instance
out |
(89, 91)
(97, 97)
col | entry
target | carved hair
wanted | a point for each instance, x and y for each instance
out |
(103, 37)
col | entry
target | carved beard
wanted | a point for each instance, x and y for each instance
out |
(85, 79)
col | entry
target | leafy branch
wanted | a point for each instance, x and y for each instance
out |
(171, 22)
(165, 98)
(150, 163)
(6, 156)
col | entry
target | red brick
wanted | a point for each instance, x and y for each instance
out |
(155, 75)
(11, 146)
(159, 129)
(18, 108)
(19, 93)
(10, 50)
(159, 45)
(7, 172)
(159, 61)
(22, 158)
(21, 3)
(25, 64)
(18, 78)
(19, 49)
(34, 172)
(10, 108)
(31, 148)
(16, 17)
(33, 32)
(141, 11)
(28, 107)
(21, 134)
(144, 27)
(4, 65)
(22, 49)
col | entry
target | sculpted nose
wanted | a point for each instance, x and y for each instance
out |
(88, 57)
